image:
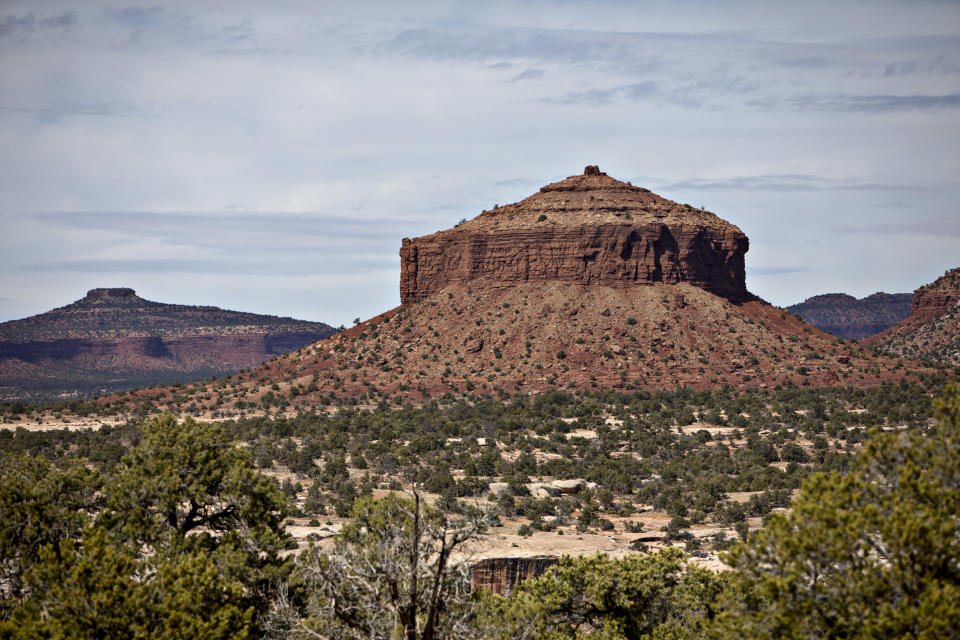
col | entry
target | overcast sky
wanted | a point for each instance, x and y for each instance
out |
(270, 156)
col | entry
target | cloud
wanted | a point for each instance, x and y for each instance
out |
(19, 27)
(812, 62)
(235, 231)
(634, 92)
(239, 265)
(943, 64)
(713, 88)
(875, 103)
(517, 182)
(901, 68)
(948, 227)
(610, 50)
(775, 271)
(53, 112)
(529, 74)
(787, 182)
(137, 16)
(156, 26)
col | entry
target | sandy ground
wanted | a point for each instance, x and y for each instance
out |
(505, 542)
(52, 423)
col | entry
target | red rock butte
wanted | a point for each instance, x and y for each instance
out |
(590, 283)
(589, 229)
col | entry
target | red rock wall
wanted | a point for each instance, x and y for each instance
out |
(500, 575)
(929, 302)
(936, 298)
(608, 254)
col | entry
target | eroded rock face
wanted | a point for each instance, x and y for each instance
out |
(501, 575)
(936, 298)
(588, 229)
(932, 330)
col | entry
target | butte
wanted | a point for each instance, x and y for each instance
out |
(589, 284)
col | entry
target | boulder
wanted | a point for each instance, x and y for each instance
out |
(568, 486)
(496, 488)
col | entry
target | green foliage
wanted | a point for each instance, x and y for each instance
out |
(629, 598)
(186, 487)
(792, 452)
(178, 535)
(185, 544)
(101, 589)
(695, 470)
(40, 505)
(873, 553)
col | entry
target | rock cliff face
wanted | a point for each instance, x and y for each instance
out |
(113, 339)
(588, 229)
(932, 330)
(936, 298)
(501, 575)
(847, 317)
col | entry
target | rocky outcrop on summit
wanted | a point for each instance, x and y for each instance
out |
(850, 318)
(932, 330)
(113, 339)
(588, 229)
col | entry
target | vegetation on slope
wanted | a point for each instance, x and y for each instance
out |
(182, 538)
(176, 535)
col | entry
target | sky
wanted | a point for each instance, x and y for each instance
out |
(270, 157)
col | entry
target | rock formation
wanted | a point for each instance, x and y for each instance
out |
(588, 229)
(589, 284)
(113, 339)
(846, 317)
(501, 575)
(932, 330)
(936, 298)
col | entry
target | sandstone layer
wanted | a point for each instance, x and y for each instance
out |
(847, 317)
(936, 298)
(502, 575)
(113, 339)
(588, 229)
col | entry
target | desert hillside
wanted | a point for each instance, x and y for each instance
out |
(113, 339)
(932, 330)
(591, 283)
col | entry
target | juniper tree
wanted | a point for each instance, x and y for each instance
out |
(185, 544)
(871, 553)
(398, 570)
